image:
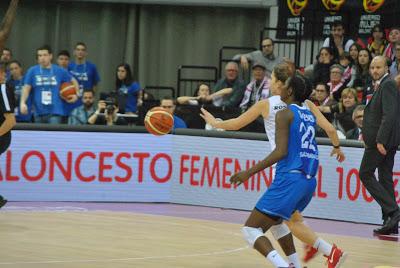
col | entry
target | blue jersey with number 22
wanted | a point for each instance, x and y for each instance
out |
(302, 148)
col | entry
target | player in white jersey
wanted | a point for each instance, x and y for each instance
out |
(268, 108)
(275, 104)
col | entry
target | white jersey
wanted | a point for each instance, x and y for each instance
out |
(275, 105)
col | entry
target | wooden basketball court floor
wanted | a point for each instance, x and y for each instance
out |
(94, 235)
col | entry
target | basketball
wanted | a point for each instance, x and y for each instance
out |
(158, 121)
(68, 89)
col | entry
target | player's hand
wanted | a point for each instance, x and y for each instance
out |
(209, 118)
(72, 99)
(23, 108)
(339, 154)
(239, 178)
(381, 148)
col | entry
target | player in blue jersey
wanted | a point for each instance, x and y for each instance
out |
(282, 72)
(296, 153)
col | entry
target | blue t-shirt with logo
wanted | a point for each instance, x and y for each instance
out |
(18, 85)
(45, 83)
(86, 74)
(127, 97)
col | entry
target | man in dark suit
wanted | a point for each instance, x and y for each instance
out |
(381, 133)
(358, 115)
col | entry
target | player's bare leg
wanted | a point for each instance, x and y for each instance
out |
(253, 231)
(315, 244)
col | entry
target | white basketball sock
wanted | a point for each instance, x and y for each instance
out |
(295, 260)
(323, 246)
(276, 259)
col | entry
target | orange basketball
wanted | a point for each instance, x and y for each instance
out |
(158, 121)
(68, 89)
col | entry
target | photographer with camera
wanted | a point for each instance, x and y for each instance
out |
(107, 114)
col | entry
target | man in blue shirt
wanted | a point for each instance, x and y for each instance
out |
(43, 81)
(169, 104)
(63, 60)
(83, 70)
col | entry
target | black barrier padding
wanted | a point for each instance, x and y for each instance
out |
(191, 114)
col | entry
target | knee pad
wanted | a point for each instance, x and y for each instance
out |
(280, 230)
(251, 234)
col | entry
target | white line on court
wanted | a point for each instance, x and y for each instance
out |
(131, 259)
(142, 258)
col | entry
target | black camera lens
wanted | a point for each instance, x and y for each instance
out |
(110, 109)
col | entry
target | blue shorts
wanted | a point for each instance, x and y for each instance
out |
(288, 192)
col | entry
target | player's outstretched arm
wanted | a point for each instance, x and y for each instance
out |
(329, 129)
(259, 108)
(283, 121)
(7, 22)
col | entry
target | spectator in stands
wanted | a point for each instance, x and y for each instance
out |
(350, 70)
(257, 89)
(378, 41)
(394, 37)
(169, 104)
(202, 95)
(358, 115)
(107, 113)
(63, 58)
(83, 70)
(230, 81)
(17, 81)
(394, 69)
(126, 89)
(343, 110)
(266, 56)
(337, 41)
(353, 51)
(43, 81)
(320, 97)
(336, 84)
(323, 65)
(144, 96)
(363, 77)
(6, 57)
(81, 114)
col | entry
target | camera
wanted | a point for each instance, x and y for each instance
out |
(110, 107)
(111, 104)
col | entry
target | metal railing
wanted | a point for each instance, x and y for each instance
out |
(190, 76)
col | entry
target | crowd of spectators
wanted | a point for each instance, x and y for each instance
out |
(340, 77)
